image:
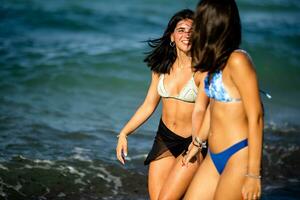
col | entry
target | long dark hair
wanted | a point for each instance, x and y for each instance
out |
(216, 34)
(163, 55)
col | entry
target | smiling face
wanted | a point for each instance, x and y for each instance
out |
(181, 35)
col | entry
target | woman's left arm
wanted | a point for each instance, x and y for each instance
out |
(200, 121)
(244, 76)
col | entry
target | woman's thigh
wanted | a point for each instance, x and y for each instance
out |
(158, 173)
(204, 182)
(178, 179)
(233, 176)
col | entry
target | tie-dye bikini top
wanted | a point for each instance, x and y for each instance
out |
(214, 88)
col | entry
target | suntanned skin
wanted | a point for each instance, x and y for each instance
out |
(230, 123)
(168, 179)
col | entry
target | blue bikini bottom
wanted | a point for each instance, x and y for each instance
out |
(220, 159)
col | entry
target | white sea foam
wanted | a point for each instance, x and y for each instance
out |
(81, 158)
(81, 154)
(79, 181)
(61, 195)
(44, 161)
(293, 180)
(272, 187)
(107, 176)
(138, 156)
(15, 188)
(72, 170)
(3, 167)
(18, 187)
(42, 167)
(28, 166)
(80, 150)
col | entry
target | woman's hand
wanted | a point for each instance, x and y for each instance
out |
(121, 149)
(251, 188)
(192, 151)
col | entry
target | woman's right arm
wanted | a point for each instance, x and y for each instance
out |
(141, 115)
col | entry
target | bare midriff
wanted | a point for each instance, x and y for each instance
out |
(228, 125)
(177, 116)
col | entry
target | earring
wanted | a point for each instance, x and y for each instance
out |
(172, 44)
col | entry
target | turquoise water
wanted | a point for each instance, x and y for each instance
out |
(71, 75)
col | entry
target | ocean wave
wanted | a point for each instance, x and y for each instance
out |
(67, 179)
(76, 179)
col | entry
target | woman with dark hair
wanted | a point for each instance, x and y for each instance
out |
(175, 83)
(231, 169)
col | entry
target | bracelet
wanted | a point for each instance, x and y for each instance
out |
(199, 143)
(253, 176)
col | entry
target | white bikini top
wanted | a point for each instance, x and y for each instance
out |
(188, 93)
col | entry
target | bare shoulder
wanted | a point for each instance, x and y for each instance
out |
(240, 61)
(199, 77)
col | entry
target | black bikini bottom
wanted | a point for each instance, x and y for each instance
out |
(168, 143)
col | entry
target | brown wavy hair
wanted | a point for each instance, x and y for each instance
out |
(216, 34)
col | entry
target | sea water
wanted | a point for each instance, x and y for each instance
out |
(72, 74)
